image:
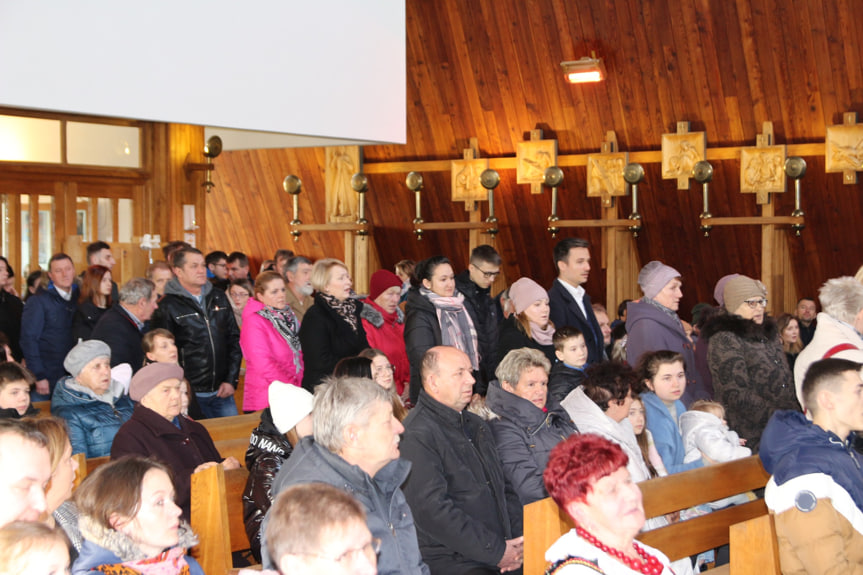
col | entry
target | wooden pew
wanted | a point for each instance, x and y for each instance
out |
(754, 547)
(44, 408)
(217, 517)
(544, 523)
(232, 427)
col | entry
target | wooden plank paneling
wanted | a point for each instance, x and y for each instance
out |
(490, 69)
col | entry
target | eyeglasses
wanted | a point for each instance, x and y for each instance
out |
(754, 303)
(371, 550)
(239, 295)
(487, 275)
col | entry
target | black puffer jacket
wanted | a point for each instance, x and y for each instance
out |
(562, 379)
(422, 332)
(486, 314)
(326, 338)
(268, 450)
(208, 339)
(751, 377)
(86, 317)
(463, 508)
(525, 435)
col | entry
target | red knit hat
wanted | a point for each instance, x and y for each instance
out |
(381, 281)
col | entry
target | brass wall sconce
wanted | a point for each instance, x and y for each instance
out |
(552, 178)
(795, 168)
(293, 185)
(360, 184)
(211, 151)
(633, 174)
(703, 173)
(414, 182)
(490, 179)
(584, 70)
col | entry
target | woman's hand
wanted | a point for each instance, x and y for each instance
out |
(231, 463)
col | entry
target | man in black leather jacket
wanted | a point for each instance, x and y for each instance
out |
(205, 331)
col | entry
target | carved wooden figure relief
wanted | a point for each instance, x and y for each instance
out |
(680, 152)
(844, 148)
(762, 171)
(605, 175)
(532, 159)
(342, 202)
(465, 180)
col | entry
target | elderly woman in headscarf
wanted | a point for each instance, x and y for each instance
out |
(751, 377)
(652, 324)
(93, 404)
(530, 326)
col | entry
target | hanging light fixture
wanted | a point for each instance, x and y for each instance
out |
(587, 69)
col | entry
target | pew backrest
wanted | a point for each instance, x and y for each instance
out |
(544, 522)
(233, 427)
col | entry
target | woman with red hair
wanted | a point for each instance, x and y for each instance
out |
(587, 477)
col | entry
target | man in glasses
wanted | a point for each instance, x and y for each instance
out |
(475, 285)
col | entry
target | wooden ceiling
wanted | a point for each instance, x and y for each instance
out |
(490, 69)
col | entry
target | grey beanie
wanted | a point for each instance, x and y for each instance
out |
(83, 353)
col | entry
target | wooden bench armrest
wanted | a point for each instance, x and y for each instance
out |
(754, 547)
(217, 517)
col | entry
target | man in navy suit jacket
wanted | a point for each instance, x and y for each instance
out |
(570, 304)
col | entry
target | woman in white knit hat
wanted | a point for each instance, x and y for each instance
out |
(283, 423)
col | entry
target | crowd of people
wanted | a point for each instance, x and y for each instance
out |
(405, 429)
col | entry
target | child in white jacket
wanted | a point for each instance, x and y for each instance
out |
(706, 434)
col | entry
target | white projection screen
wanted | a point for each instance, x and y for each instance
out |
(326, 68)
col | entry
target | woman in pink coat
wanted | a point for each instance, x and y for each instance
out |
(385, 324)
(270, 341)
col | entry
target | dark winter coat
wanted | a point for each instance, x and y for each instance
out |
(267, 450)
(562, 379)
(46, 333)
(181, 448)
(649, 329)
(93, 423)
(86, 317)
(565, 312)
(327, 338)
(486, 314)
(387, 513)
(511, 337)
(12, 413)
(525, 435)
(751, 377)
(422, 332)
(464, 510)
(11, 308)
(207, 338)
(120, 332)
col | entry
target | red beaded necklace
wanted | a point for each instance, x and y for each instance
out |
(648, 564)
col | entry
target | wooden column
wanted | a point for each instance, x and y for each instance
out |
(619, 260)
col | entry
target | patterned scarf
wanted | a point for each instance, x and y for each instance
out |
(456, 327)
(346, 309)
(285, 323)
(170, 562)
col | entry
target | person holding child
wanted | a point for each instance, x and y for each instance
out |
(706, 434)
(664, 374)
(567, 372)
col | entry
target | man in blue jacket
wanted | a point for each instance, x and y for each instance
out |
(46, 326)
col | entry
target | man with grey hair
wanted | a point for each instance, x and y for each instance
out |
(123, 326)
(297, 273)
(25, 468)
(356, 448)
(839, 327)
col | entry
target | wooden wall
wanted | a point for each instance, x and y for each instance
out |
(490, 69)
